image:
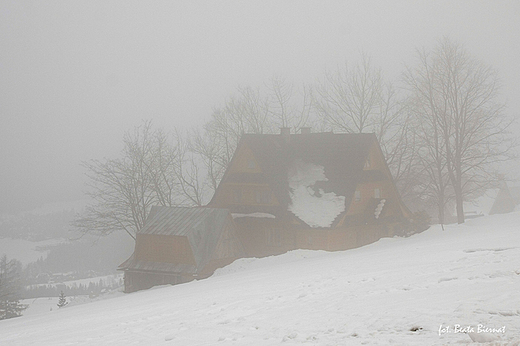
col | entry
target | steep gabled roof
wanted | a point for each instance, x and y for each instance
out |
(341, 155)
(202, 226)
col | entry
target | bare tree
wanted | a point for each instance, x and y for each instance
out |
(187, 170)
(426, 109)
(283, 110)
(463, 127)
(348, 99)
(154, 169)
(161, 166)
(215, 158)
(356, 100)
(123, 189)
(248, 111)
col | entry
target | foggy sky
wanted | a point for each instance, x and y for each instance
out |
(75, 75)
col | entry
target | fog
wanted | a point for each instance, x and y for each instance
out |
(74, 76)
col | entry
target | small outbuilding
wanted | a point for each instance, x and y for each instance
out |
(178, 245)
(504, 202)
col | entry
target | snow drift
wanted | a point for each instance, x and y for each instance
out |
(430, 289)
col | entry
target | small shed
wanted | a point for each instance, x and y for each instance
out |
(178, 245)
(504, 202)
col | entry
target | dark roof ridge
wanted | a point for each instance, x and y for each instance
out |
(309, 134)
(186, 207)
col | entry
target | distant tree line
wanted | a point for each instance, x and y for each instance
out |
(10, 288)
(442, 129)
(93, 288)
(82, 258)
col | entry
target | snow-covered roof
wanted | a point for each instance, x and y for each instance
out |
(256, 215)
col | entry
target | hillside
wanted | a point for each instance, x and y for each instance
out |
(401, 291)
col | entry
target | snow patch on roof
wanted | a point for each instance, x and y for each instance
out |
(260, 215)
(313, 206)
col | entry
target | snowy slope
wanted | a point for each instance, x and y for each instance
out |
(375, 295)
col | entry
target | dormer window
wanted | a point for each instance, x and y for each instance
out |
(237, 195)
(357, 196)
(367, 163)
(263, 196)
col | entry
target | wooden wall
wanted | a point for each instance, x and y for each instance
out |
(244, 161)
(228, 245)
(163, 248)
(233, 193)
(135, 280)
(340, 238)
(264, 237)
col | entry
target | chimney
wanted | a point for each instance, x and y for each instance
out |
(305, 130)
(285, 132)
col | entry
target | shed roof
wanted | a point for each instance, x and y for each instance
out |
(181, 220)
(202, 226)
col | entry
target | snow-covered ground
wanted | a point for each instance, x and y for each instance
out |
(44, 305)
(422, 290)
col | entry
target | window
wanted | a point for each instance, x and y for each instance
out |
(263, 196)
(367, 163)
(274, 237)
(357, 196)
(237, 195)
(377, 193)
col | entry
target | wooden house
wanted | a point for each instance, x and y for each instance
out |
(178, 245)
(311, 190)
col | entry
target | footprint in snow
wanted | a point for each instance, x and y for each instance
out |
(483, 337)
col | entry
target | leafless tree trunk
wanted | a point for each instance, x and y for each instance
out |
(463, 127)
(427, 111)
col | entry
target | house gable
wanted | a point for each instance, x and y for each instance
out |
(245, 161)
(376, 190)
(244, 185)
